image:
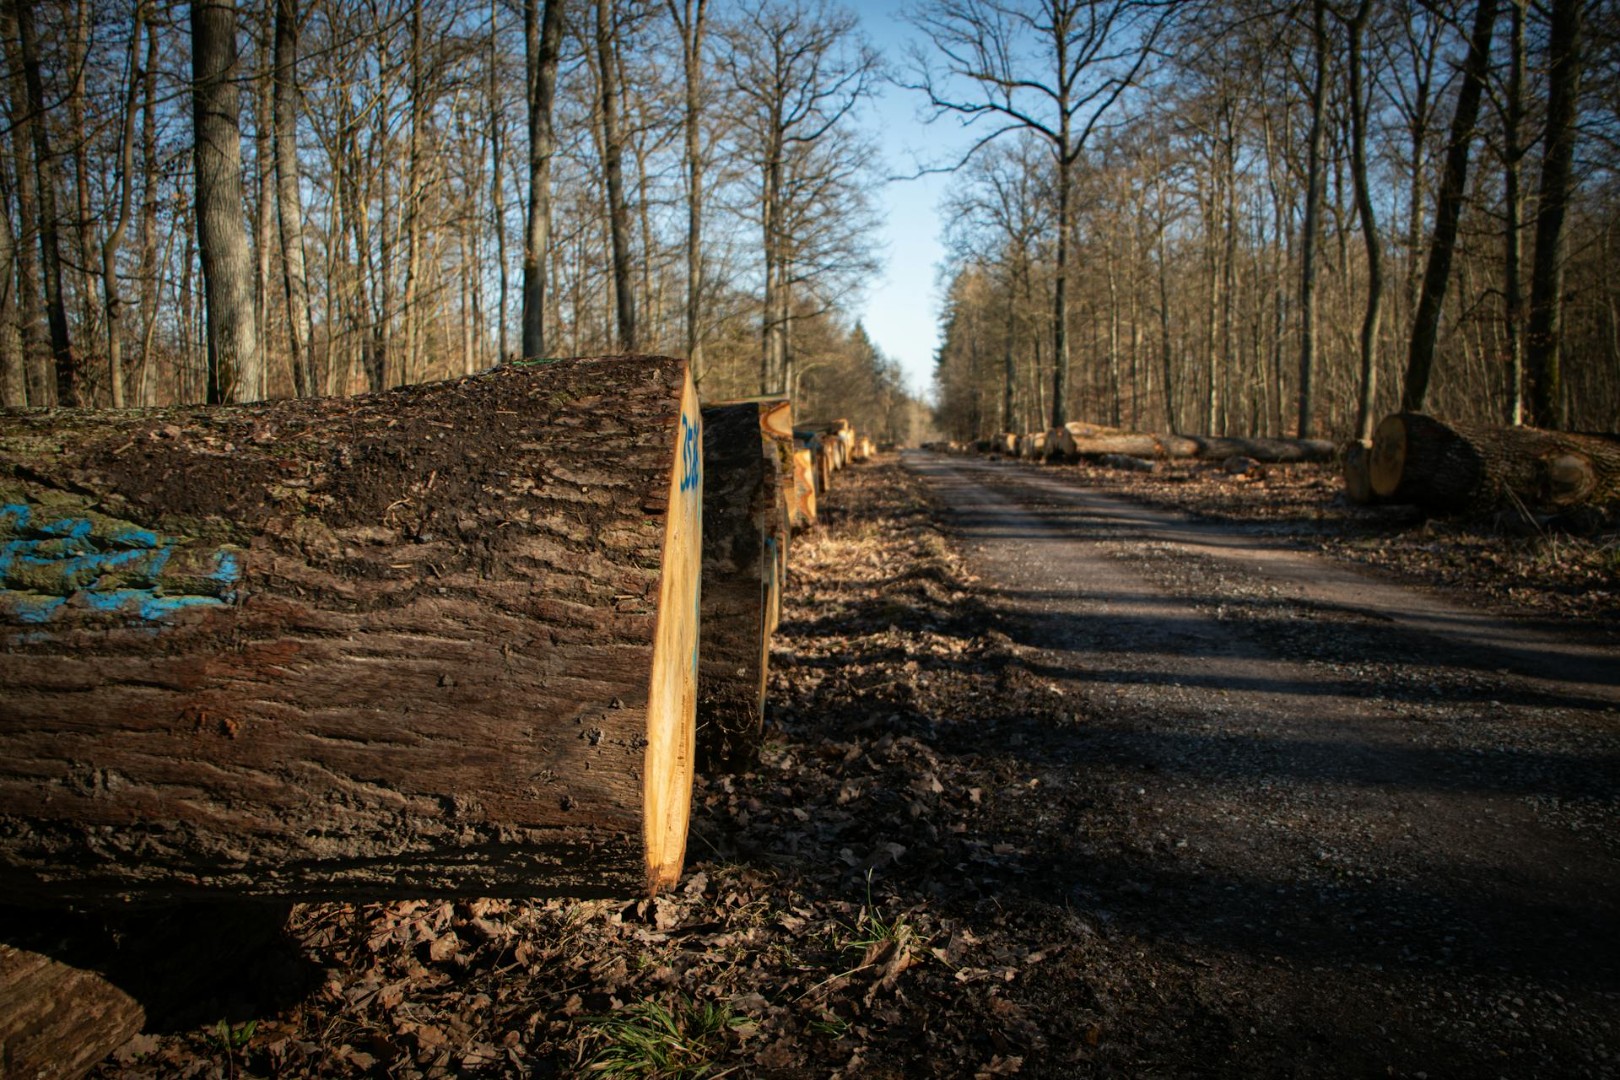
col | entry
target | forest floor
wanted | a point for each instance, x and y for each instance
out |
(1059, 783)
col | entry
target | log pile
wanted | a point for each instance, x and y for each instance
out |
(432, 641)
(1452, 467)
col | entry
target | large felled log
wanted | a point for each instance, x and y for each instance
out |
(58, 1021)
(1269, 451)
(739, 572)
(433, 641)
(1454, 467)
(776, 427)
(1071, 444)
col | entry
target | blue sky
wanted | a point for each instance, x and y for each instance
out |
(902, 304)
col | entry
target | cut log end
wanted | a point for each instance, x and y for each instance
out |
(672, 696)
(1386, 462)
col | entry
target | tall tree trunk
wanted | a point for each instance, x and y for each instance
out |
(1369, 226)
(147, 235)
(1557, 184)
(1512, 254)
(13, 368)
(542, 28)
(613, 168)
(497, 183)
(1060, 295)
(413, 201)
(40, 383)
(1313, 216)
(264, 205)
(235, 361)
(289, 201)
(50, 251)
(1448, 212)
(124, 184)
(689, 19)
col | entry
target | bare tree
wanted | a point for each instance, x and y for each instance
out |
(1313, 219)
(610, 88)
(289, 201)
(690, 18)
(799, 73)
(235, 359)
(1448, 211)
(1053, 68)
(542, 35)
(1356, 25)
(1557, 167)
(66, 365)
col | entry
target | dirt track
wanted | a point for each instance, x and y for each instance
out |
(1338, 826)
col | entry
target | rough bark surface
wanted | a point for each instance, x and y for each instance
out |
(738, 568)
(57, 1021)
(1453, 467)
(432, 641)
(1274, 451)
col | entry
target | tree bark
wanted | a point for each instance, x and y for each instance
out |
(1453, 467)
(58, 1021)
(1374, 312)
(124, 184)
(431, 641)
(1448, 212)
(690, 19)
(542, 31)
(235, 359)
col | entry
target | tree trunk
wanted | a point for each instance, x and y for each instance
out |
(431, 641)
(1557, 184)
(1373, 316)
(289, 201)
(542, 30)
(613, 168)
(691, 25)
(1448, 212)
(235, 360)
(1513, 151)
(1451, 467)
(1312, 227)
(50, 250)
(124, 184)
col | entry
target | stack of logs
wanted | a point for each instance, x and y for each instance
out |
(1441, 466)
(439, 641)
(1080, 441)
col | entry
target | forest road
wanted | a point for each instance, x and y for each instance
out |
(1358, 828)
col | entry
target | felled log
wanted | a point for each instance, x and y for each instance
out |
(1453, 467)
(739, 571)
(776, 428)
(1065, 443)
(1006, 443)
(1128, 463)
(58, 1021)
(1357, 472)
(432, 641)
(1032, 445)
(804, 487)
(1267, 451)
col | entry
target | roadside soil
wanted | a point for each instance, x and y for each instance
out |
(1062, 783)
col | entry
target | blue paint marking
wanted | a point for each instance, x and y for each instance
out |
(63, 564)
(691, 455)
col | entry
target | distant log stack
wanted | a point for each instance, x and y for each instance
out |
(741, 521)
(437, 641)
(1451, 467)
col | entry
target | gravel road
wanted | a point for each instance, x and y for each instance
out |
(1318, 823)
